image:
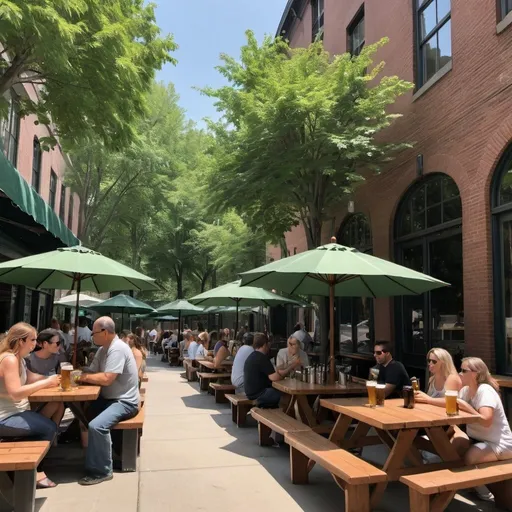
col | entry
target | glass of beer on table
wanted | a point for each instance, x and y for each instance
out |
(65, 377)
(452, 407)
(371, 387)
(381, 394)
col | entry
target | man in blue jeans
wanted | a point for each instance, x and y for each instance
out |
(115, 370)
(259, 373)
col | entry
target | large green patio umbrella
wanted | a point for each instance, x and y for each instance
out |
(74, 268)
(122, 304)
(178, 307)
(334, 270)
(232, 294)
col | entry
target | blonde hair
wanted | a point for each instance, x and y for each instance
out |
(483, 376)
(17, 333)
(203, 337)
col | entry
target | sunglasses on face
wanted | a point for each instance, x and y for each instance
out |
(379, 352)
(52, 342)
(432, 361)
(96, 332)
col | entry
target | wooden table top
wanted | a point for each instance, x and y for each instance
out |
(393, 416)
(297, 387)
(505, 381)
(210, 366)
(79, 394)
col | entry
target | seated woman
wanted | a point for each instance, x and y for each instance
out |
(223, 341)
(221, 354)
(16, 384)
(293, 352)
(202, 349)
(444, 377)
(139, 352)
(46, 361)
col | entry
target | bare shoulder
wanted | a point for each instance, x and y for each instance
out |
(453, 382)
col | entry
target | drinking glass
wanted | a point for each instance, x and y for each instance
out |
(380, 390)
(371, 387)
(452, 407)
(65, 377)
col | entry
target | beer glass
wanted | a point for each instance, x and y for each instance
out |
(371, 387)
(65, 377)
(452, 407)
(380, 391)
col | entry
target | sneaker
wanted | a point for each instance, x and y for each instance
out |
(483, 493)
(93, 480)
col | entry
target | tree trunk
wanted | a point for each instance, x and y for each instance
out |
(179, 284)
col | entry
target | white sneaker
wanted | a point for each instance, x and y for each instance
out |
(483, 493)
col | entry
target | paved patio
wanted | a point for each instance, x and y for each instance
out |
(193, 458)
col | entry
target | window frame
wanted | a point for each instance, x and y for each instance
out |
(420, 42)
(358, 18)
(62, 204)
(70, 212)
(11, 129)
(53, 189)
(37, 161)
(317, 19)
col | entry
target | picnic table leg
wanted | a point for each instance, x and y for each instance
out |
(360, 431)
(289, 405)
(24, 490)
(340, 429)
(305, 411)
(442, 445)
(78, 412)
(395, 460)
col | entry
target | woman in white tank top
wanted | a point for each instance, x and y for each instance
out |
(16, 384)
(444, 377)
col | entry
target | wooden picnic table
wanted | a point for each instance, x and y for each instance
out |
(209, 366)
(399, 429)
(299, 391)
(72, 399)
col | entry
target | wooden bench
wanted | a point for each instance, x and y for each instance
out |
(190, 371)
(433, 491)
(145, 378)
(275, 420)
(220, 390)
(351, 473)
(240, 407)
(173, 355)
(206, 377)
(132, 431)
(22, 458)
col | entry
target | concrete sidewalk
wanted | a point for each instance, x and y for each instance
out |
(193, 458)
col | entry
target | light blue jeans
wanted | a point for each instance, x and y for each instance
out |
(106, 414)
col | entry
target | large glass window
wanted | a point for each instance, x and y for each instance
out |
(36, 164)
(10, 129)
(429, 239)
(356, 34)
(433, 19)
(502, 248)
(317, 7)
(355, 314)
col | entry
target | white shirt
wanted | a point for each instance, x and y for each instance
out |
(153, 334)
(192, 349)
(68, 339)
(237, 371)
(283, 358)
(498, 435)
(84, 334)
(200, 352)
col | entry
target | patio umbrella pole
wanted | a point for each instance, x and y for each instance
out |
(77, 280)
(332, 366)
(236, 323)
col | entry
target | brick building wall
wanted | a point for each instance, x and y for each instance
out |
(461, 125)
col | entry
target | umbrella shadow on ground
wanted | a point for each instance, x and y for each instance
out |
(203, 402)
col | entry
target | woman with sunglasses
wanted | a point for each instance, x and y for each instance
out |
(46, 361)
(443, 377)
(16, 384)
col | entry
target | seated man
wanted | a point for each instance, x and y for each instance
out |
(390, 372)
(115, 370)
(237, 372)
(259, 373)
(293, 352)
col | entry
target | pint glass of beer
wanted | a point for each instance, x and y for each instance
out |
(371, 387)
(381, 394)
(65, 377)
(452, 408)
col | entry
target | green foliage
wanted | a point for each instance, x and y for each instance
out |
(91, 61)
(300, 129)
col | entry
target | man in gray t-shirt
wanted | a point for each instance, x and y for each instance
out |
(115, 370)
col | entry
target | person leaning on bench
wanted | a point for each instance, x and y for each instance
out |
(115, 370)
(16, 384)
(259, 373)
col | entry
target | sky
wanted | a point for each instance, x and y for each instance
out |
(204, 29)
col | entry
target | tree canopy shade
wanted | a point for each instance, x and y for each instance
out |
(298, 130)
(90, 60)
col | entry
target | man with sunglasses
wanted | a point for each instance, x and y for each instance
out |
(115, 370)
(390, 372)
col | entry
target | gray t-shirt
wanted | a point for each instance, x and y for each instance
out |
(50, 366)
(118, 358)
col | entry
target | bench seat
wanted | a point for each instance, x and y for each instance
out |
(240, 407)
(220, 390)
(442, 485)
(351, 473)
(22, 458)
(206, 377)
(275, 420)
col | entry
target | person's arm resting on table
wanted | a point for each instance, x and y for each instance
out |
(114, 366)
(283, 372)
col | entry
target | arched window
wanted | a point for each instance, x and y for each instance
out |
(428, 238)
(501, 201)
(355, 314)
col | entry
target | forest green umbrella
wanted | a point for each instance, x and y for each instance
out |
(334, 270)
(122, 304)
(178, 307)
(232, 294)
(74, 268)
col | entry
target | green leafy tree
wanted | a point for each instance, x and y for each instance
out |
(91, 61)
(300, 128)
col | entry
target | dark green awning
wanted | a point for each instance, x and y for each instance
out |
(29, 201)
